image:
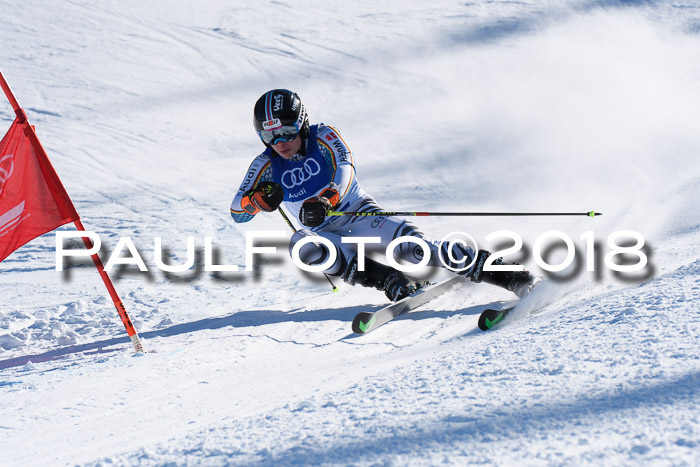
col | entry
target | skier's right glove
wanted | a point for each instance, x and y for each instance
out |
(267, 196)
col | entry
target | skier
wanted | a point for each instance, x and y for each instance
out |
(311, 169)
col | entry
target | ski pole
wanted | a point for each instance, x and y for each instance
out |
(411, 213)
(291, 226)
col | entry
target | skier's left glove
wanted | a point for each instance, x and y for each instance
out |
(313, 211)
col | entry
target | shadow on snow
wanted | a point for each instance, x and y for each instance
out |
(236, 320)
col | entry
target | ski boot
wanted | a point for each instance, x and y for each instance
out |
(393, 282)
(518, 282)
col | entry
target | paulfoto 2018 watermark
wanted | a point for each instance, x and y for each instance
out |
(625, 251)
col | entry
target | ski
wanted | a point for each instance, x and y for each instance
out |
(490, 317)
(367, 321)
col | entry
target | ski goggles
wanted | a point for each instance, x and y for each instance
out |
(283, 133)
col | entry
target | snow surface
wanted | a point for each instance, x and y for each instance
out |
(558, 105)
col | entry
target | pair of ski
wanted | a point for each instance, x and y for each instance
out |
(367, 321)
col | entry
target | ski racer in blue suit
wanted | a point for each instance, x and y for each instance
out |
(311, 170)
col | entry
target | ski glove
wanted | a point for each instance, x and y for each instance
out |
(313, 211)
(267, 196)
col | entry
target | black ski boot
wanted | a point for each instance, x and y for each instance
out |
(518, 282)
(393, 282)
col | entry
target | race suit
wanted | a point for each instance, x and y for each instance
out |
(328, 161)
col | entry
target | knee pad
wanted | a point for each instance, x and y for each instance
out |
(311, 253)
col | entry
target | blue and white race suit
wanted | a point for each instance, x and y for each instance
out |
(329, 162)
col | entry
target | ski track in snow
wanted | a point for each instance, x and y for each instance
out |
(558, 105)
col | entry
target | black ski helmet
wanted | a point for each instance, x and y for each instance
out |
(280, 108)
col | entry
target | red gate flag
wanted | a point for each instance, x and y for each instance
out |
(32, 198)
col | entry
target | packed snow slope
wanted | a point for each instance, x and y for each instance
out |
(145, 110)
